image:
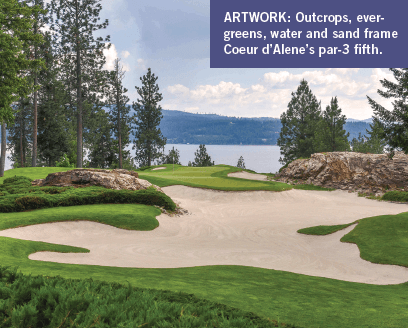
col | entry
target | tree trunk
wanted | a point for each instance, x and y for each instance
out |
(34, 158)
(119, 130)
(79, 95)
(3, 149)
(21, 147)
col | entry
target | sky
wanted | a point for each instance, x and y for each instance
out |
(172, 37)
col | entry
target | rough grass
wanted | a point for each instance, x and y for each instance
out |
(48, 302)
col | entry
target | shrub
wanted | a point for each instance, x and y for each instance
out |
(42, 197)
(64, 162)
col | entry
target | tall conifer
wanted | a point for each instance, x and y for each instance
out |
(75, 23)
(148, 114)
(393, 125)
(119, 111)
(299, 123)
(329, 135)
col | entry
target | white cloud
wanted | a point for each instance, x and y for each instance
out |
(272, 94)
(125, 54)
(141, 65)
(111, 54)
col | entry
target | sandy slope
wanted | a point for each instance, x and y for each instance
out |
(256, 228)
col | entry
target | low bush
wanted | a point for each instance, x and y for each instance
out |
(17, 196)
(395, 195)
(45, 302)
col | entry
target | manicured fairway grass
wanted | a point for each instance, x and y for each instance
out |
(124, 216)
(302, 300)
(213, 177)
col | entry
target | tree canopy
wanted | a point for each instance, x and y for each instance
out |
(299, 123)
(329, 134)
(148, 114)
(393, 125)
(16, 35)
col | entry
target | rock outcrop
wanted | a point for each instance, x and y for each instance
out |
(115, 179)
(367, 173)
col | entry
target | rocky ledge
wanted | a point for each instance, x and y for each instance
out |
(113, 179)
(366, 173)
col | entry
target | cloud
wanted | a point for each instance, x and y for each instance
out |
(141, 64)
(125, 54)
(271, 95)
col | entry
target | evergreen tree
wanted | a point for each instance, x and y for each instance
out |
(201, 157)
(53, 125)
(172, 157)
(372, 144)
(16, 26)
(329, 135)
(101, 143)
(82, 54)
(148, 114)
(40, 19)
(393, 125)
(20, 134)
(241, 163)
(299, 123)
(3, 148)
(119, 111)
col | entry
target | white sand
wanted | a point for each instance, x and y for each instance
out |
(256, 228)
(159, 168)
(246, 175)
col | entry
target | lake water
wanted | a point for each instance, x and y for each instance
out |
(261, 159)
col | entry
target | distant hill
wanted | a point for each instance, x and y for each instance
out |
(211, 129)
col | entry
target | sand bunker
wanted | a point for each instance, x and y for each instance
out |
(246, 175)
(159, 168)
(256, 228)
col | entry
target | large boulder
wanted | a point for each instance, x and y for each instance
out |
(367, 173)
(112, 179)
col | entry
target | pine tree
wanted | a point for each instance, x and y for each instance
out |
(119, 111)
(76, 21)
(299, 123)
(393, 125)
(201, 157)
(100, 141)
(241, 163)
(372, 144)
(20, 134)
(3, 148)
(16, 26)
(172, 158)
(39, 22)
(148, 114)
(53, 125)
(329, 135)
(16, 34)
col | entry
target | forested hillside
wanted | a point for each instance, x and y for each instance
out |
(210, 129)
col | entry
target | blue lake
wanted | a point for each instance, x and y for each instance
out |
(261, 159)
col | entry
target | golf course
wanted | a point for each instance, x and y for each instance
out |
(249, 252)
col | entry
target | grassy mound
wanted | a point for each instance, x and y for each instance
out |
(323, 230)
(18, 195)
(39, 301)
(123, 216)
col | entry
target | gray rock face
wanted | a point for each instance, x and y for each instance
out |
(369, 173)
(115, 179)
